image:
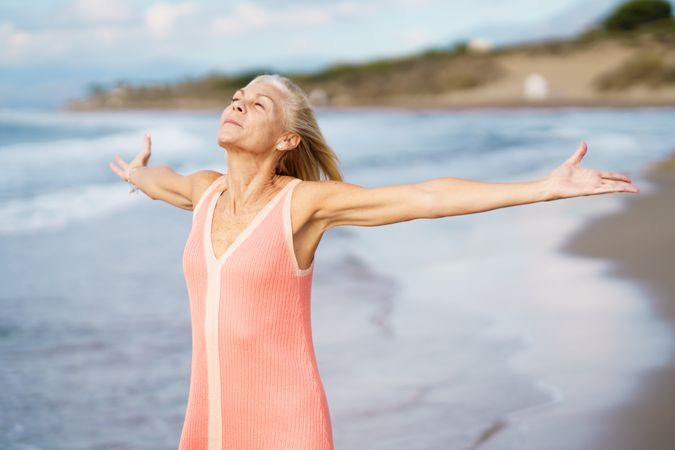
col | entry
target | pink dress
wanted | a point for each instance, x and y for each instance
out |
(254, 382)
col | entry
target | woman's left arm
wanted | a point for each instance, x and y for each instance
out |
(348, 204)
(566, 181)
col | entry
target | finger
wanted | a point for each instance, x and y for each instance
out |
(578, 154)
(632, 188)
(123, 164)
(614, 176)
(147, 143)
(608, 186)
(119, 172)
(623, 186)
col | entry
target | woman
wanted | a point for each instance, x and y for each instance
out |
(249, 259)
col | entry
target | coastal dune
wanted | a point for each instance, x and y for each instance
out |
(614, 71)
(570, 77)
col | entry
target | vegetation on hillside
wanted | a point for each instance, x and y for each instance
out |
(640, 22)
(430, 72)
(435, 70)
(635, 13)
(652, 68)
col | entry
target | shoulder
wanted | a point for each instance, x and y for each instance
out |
(312, 199)
(336, 203)
(323, 189)
(205, 177)
(200, 182)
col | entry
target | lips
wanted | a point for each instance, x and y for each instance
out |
(232, 121)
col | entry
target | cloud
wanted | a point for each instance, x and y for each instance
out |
(106, 35)
(21, 46)
(248, 16)
(413, 3)
(102, 11)
(414, 37)
(160, 18)
(14, 42)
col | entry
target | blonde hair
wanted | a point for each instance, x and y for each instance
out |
(313, 155)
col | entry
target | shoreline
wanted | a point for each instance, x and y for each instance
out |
(413, 106)
(640, 241)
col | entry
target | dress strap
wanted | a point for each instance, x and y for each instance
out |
(288, 231)
(206, 193)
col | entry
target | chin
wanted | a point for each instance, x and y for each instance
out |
(224, 139)
(222, 142)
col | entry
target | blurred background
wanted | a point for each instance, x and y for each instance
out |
(543, 326)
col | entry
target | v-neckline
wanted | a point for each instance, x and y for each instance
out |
(248, 229)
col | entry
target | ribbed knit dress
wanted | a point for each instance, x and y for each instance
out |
(254, 382)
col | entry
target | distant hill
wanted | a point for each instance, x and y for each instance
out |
(598, 67)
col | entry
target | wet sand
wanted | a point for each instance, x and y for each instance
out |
(640, 241)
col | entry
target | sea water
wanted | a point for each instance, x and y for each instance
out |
(462, 332)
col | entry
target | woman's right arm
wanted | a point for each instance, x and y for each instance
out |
(161, 182)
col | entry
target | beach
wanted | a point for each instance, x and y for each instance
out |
(539, 326)
(640, 242)
(467, 332)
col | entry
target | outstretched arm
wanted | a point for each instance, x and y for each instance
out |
(349, 204)
(455, 196)
(161, 182)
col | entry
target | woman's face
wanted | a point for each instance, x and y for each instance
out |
(253, 119)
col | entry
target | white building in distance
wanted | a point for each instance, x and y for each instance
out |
(535, 87)
(479, 45)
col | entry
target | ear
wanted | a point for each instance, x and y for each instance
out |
(288, 141)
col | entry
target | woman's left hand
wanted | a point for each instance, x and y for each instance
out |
(569, 180)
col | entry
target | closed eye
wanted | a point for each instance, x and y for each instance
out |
(261, 105)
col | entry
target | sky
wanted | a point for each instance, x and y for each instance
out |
(53, 50)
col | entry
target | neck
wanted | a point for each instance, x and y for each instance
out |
(249, 181)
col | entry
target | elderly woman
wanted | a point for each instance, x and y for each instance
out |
(249, 258)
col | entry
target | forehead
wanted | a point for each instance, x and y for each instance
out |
(262, 89)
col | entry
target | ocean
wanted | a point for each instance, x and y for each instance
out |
(464, 332)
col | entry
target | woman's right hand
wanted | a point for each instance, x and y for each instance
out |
(123, 169)
(161, 182)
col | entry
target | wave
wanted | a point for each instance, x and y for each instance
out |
(56, 210)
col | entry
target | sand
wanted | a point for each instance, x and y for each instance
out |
(569, 75)
(640, 240)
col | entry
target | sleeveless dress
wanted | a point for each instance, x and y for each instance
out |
(254, 382)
